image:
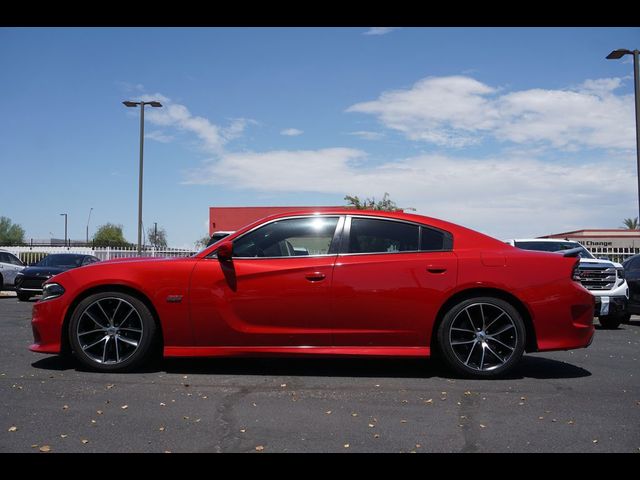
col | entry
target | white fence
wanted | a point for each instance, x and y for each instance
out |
(31, 254)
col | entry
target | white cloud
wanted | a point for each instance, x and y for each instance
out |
(457, 111)
(367, 135)
(159, 136)
(175, 115)
(379, 30)
(504, 197)
(291, 132)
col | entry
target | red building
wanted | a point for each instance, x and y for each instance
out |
(233, 218)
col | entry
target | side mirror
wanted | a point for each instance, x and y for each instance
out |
(225, 252)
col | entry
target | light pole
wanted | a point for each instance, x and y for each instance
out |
(88, 224)
(616, 55)
(129, 103)
(65, 228)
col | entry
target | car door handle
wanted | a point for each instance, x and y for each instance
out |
(315, 276)
(436, 269)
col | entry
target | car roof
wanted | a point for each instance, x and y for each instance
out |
(463, 237)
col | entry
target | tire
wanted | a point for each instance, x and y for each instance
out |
(625, 318)
(112, 332)
(611, 322)
(24, 297)
(491, 323)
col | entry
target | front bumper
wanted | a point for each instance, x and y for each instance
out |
(31, 285)
(47, 319)
(605, 305)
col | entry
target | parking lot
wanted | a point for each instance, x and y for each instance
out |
(577, 401)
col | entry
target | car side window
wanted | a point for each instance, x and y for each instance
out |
(435, 240)
(4, 258)
(15, 260)
(369, 235)
(633, 265)
(288, 238)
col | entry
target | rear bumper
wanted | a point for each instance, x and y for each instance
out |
(565, 322)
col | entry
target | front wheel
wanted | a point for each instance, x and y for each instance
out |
(482, 337)
(610, 322)
(111, 332)
(24, 297)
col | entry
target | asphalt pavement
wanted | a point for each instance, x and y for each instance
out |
(577, 401)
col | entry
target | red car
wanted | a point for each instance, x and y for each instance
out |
(344, 282)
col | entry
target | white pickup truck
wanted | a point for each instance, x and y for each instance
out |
(603, 278)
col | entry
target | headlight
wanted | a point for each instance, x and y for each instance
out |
(620, 272)
(51, 290)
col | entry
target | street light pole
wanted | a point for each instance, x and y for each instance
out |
(65, 228)
(615, 55)
(88, 219)
(141, 104)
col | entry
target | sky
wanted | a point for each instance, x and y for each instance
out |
(515, 132)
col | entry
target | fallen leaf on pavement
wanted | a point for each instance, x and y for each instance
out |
(259, 448)
(124, 407)
(85, 441)
(45, 448)
(13, 429)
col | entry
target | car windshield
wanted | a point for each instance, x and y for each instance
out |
(61, 261)
(554, 247)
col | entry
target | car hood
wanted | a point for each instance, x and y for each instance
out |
(592, 262)
(42, 271)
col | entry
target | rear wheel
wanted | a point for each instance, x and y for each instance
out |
(111, 332)
(482, 337)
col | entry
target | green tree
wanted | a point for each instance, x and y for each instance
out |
(110, 235)
(157, 238)
(10, 233)
(630, 223)
(202, 242)
(385, 204)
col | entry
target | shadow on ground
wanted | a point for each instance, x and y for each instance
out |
(529, 367)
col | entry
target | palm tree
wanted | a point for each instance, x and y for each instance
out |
(630, 223)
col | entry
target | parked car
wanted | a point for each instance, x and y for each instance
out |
(632, 274)
(10, 266)
(217, 236)
(603, 278)
(29, 281)
(370, 283)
